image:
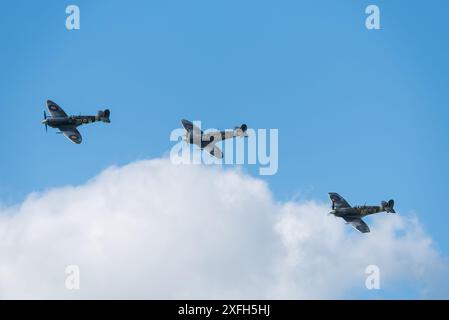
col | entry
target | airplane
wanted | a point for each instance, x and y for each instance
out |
(354, 215)
(68, 124)
(207, 141)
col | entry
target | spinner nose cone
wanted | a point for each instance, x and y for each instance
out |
(44, 121)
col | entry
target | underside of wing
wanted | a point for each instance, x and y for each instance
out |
(72, 134)
(214, 151)
(55, 110)
(338, 201)
(358, 224)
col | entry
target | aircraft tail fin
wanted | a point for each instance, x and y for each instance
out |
(388, 206)
(241, 131)
(103, 115)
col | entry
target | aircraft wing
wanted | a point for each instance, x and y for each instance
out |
(214, 151)
(189, 126)
(358, 224)
(338, 201)
(73, 134)
(55, 110)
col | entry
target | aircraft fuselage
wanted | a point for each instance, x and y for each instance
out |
(197, 139)
(358, 211)
(69, 121)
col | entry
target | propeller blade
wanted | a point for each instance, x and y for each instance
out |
(45, 118)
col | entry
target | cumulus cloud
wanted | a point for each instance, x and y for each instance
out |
(151, 229)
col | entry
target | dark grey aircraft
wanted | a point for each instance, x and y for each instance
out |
(207, 141)
(354, 215)
(68, 124)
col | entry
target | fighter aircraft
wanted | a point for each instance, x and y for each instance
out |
(354, 215)
(207, 141)
(68, 124)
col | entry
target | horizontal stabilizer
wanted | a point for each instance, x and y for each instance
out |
(241, 131)
(103, 115)
(388, 206)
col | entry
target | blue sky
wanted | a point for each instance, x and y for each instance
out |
(363, 113)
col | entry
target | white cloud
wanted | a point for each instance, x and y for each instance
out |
(154, 230)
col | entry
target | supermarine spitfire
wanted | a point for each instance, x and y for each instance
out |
(207, 141)
(68, 124)
(354, 215)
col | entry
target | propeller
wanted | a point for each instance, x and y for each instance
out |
(45, 118)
